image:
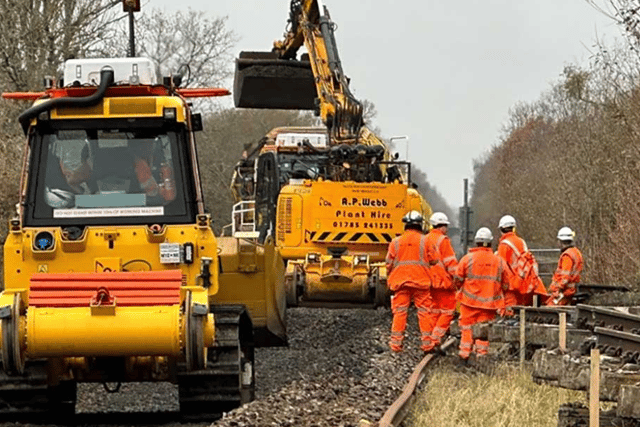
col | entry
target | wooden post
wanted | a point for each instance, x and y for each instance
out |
(536, 302)
(562, 338)
(594, 389)
(522, 336)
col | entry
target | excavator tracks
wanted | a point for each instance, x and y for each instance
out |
(228, 380)
(29, 396)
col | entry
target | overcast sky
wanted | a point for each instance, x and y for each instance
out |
(443, 73)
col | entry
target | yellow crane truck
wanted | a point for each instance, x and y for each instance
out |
(333, 197)
(333, 211)
(112, 272)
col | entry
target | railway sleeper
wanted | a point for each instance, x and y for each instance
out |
(617, 379)
(577, 415)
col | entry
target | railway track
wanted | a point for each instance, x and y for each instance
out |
(397, 413)
(338, 371)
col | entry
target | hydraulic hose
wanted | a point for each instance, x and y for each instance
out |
(106, 80)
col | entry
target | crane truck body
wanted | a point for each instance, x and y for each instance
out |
(333, 211)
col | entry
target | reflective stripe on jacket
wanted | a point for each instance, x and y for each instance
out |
(567, 274)
(510, 249)
(408, 261)
(443, 272)
(484, 278)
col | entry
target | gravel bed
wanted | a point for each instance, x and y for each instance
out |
(132, 397)
(336, 371)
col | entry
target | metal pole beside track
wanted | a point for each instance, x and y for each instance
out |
(132, 37)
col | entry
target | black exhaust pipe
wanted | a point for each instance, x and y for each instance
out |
(106, 80)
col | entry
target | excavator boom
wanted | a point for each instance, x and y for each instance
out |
(317, 81)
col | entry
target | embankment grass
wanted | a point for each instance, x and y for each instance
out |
(507, 398)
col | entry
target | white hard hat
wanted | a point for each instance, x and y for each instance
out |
(438, 218)
(507, 221)
(483, 235)
(566, 234)
(58, 198)
(412, 217)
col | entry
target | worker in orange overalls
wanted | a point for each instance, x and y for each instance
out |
(408, 261)
(567, 275)
(482, 278)
(443, 292)
(510, 248)
(162, 186)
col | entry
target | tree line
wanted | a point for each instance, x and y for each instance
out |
(572, 158)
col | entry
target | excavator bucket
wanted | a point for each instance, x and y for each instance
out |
(264, 81)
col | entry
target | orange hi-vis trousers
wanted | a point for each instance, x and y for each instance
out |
(444, 307)
(469, 316)
(400, 302)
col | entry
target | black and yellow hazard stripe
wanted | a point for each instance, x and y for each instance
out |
(347, 237)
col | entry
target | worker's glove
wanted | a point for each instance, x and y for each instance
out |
(505, 312)
(557, 296)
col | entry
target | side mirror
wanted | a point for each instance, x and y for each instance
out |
(196, 122)
(396, 155)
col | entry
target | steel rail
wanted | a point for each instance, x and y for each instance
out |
(590, 317)
(398, 411)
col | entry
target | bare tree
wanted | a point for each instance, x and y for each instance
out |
(38, 35)
(626, 13)
(431, 194)
(227, 133)
(171, 39)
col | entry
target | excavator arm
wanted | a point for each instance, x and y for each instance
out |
(277, 79)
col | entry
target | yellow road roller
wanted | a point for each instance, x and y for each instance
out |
(112, 272)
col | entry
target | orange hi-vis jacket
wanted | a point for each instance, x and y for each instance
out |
(509, 249)
(408, 261)
(166, 188)
(442, 273)
(567, 274)
(484, 276)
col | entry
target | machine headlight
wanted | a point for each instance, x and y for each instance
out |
(43, 241)
(169, 113)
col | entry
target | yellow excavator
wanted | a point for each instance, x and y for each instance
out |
(332, 196)
(112, 272)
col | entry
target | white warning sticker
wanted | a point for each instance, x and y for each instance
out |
(108, 212)
(169, 253)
